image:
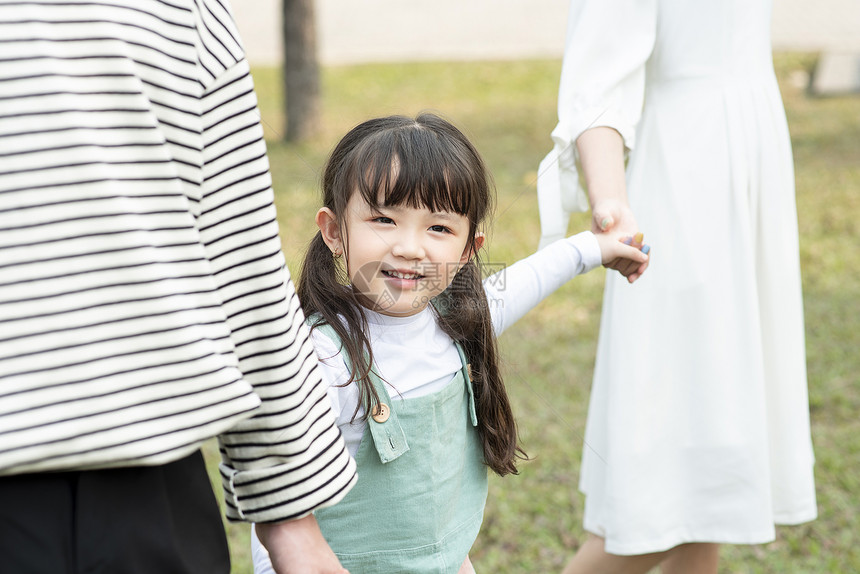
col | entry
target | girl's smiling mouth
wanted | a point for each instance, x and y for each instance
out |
(405, 275)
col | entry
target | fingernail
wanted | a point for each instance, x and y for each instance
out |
(627, 241)
(645, 249)
(638, 238)
(604, 223)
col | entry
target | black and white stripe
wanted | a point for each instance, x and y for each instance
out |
(144, 302)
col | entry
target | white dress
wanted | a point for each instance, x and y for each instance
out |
(698, 425)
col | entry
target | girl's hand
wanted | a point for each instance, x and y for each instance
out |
(626, 258)
(466, 567)
(298, 547)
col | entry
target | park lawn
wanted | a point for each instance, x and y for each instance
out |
(533, 521)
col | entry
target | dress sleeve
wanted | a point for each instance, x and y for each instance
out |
(515, 290)
(602, 84)
(289, 458)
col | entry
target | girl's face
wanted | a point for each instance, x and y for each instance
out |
(398, 258)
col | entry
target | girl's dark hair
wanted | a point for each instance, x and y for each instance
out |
(437, 168)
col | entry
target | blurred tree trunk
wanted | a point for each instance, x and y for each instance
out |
(301, 70)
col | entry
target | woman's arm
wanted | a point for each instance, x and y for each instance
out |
(602, 84)
(601, 156)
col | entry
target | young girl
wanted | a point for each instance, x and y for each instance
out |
(406, 332)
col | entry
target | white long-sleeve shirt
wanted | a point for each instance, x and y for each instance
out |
(416, 357)
(144, 302)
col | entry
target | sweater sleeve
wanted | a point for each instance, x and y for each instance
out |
(289, 458)
(602, 84)
(515, 290)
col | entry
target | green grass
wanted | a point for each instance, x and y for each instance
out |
(533, 521)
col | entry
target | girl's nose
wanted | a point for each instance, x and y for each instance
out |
(408, 246)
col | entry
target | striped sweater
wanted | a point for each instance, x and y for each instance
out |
(145, 305)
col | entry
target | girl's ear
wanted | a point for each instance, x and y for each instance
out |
(330, 230)
(473, 248)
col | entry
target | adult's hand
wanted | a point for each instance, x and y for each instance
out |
(614, 216)
(298, 547)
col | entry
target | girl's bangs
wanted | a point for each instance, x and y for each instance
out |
(414, 168)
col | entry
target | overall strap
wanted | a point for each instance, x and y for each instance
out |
(467, 368)
(467, 376)
(388, 436)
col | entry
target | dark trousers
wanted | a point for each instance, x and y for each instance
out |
(141, 520)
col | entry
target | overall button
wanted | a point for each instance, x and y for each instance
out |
(381, 413)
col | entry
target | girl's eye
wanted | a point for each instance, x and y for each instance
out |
(440, 229)
(383, 219)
